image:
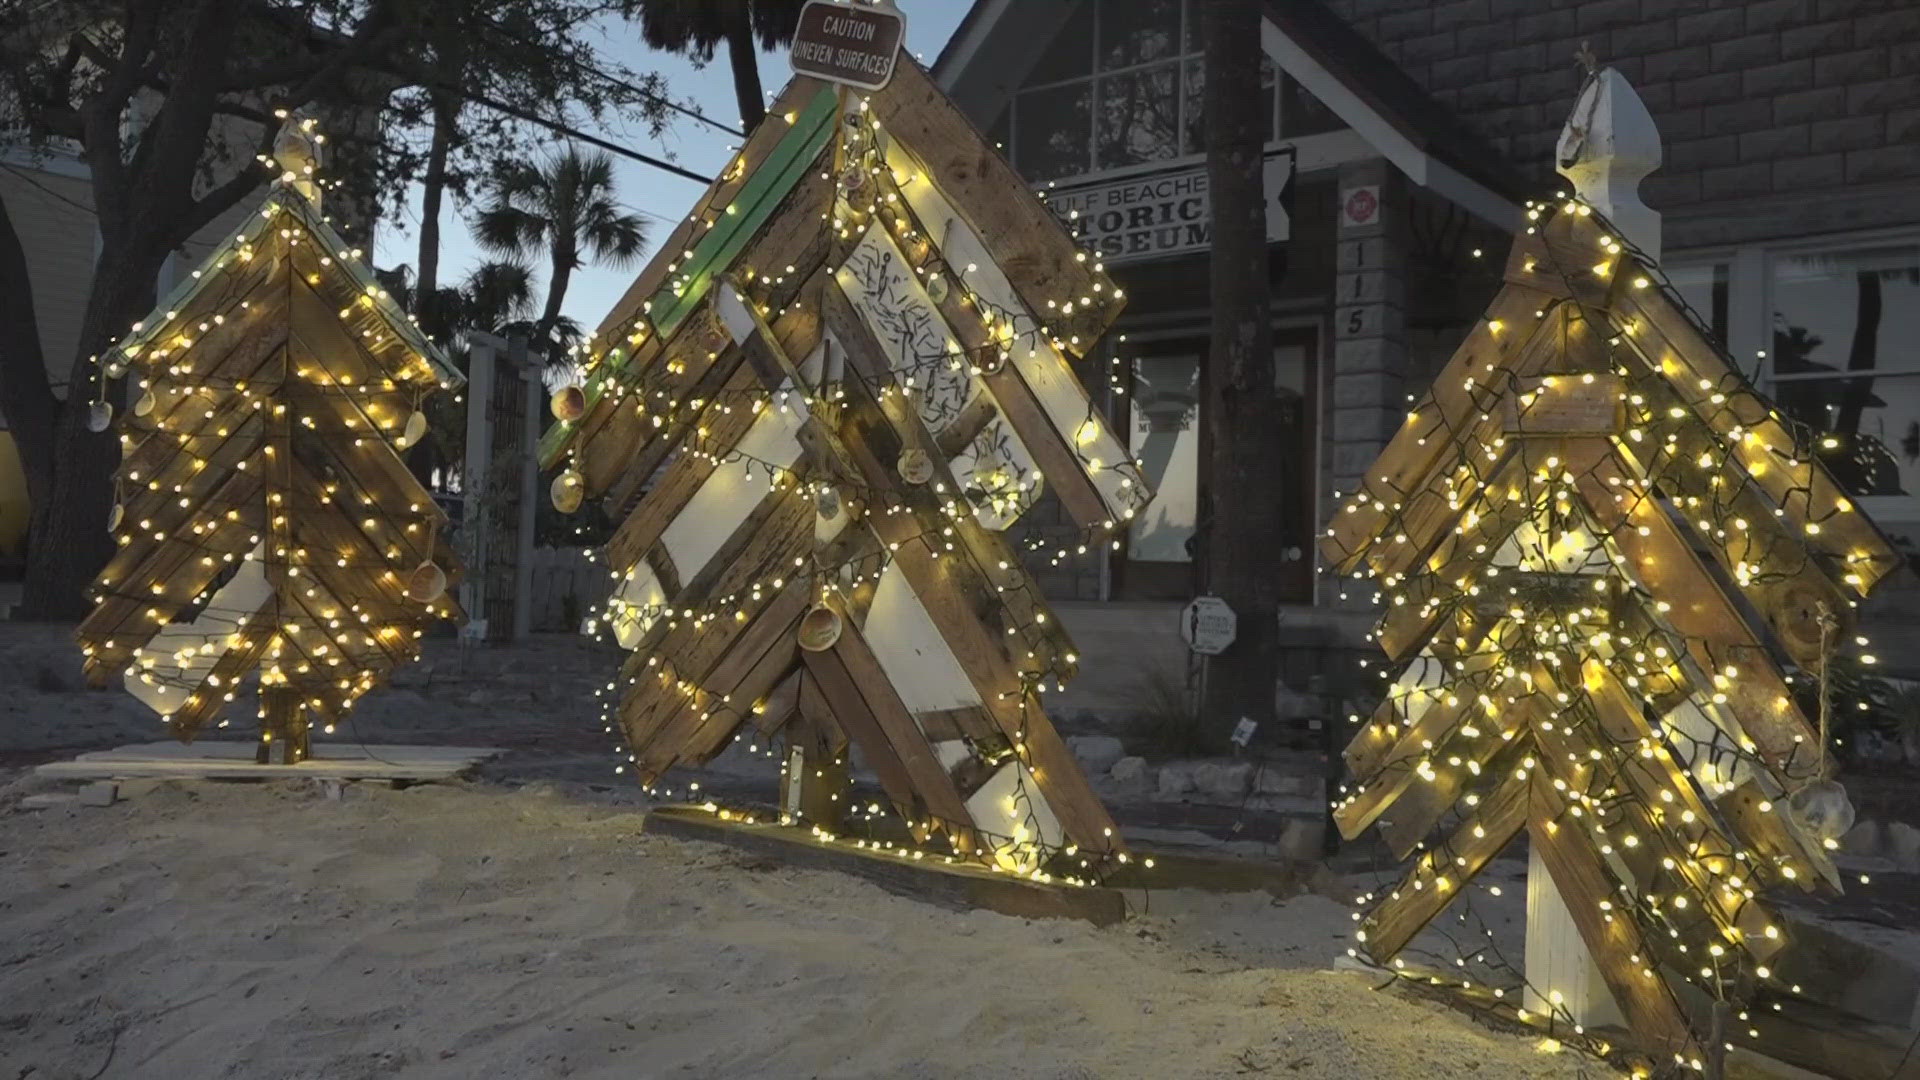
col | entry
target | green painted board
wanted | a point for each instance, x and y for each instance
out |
(762, 193)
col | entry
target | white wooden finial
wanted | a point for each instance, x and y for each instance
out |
(1607, 147)
(296, 152)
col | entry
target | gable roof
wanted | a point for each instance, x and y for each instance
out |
(1333, 61)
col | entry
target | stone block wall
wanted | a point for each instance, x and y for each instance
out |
(1760, 102)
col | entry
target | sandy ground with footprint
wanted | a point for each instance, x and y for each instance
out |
(264, 931)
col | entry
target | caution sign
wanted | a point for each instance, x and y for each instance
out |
(847, 43)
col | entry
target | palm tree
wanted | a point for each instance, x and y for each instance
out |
(567, 209)
(695, 28)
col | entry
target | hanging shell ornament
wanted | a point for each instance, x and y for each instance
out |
(937, 288)
(852, 179)
(144, 404)
(115, 516)
(116, 368)
(414, 430)
(428, 582)
(568, 490)
(99, 416)
(569, 402)
(916, 466)
(819, 628)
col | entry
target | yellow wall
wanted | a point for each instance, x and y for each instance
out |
(13, 500)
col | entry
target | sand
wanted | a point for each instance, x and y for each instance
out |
(480, 930)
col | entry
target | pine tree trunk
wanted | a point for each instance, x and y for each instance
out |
(745, 59)
(1246, 421)
(446, 111)
(67, 541)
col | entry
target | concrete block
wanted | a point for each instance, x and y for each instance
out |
(1849, 66)
(1741, 53)
(1761, 147)
(1866, 838)
(1682, 63)
(1707, 89)
(1902, 23)
(1175, 779)
(1375, 389)
(1903, 126)
(1455, 14)
(1735, 182)
(1096, 753)
(99, 793)
(1810, 106)
(1131, 773)
(1883, 163)
(1903, 846)
(1818, 39)
(1775, 14)
(1596, 15)
(1425, 49)
(1804, 173)
(1846, 133)
(1710, 26)
(1303, 838)
(1543, 26)
(1520, 60)
(1458, 71)
(1289, 785)
(47, 800)
(1485, 38)
(1402, 25)
(1883, 95)
(1777, 78)
(1224, 781)
(1703, 153)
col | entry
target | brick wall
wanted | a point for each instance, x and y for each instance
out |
(1759, 102)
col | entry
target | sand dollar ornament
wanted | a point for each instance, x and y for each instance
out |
(568, 490)
(568, 403)
(916, 466)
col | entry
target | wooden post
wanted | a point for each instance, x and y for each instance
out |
(529, 455)
(1608, 145)
(475, 518)
(285, 720)
(813, 775)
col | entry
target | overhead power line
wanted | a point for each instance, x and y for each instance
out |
(615, 80)
(575, 133)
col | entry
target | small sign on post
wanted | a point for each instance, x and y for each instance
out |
(855, 45)
(1208, 625)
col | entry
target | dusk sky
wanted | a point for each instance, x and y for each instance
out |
(661, 197)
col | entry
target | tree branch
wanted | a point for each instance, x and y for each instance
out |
(27, 400)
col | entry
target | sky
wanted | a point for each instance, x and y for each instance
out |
(660, 197)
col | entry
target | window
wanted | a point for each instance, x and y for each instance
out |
(1123, 84)
(1834, 315)
(1165, 439)
(1704, 288)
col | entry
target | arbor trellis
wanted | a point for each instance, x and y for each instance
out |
(1568, 535)
(812, 416)
(265, 518)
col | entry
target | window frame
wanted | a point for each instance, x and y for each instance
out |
(1750, 305)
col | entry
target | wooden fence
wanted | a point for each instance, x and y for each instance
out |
(568, 582)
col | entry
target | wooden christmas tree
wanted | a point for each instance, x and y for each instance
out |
(813, 415)
(265, 519)
(1599, 550)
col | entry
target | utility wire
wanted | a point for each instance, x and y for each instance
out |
(575, 133)
(621, 83)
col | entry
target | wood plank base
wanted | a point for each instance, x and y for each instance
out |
(960, 886)
(231, 760)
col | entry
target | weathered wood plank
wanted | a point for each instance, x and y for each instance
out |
(1643, 996)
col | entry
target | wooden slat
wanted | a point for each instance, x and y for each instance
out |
(1651, 1011)
(953, 598)
(1427, 436)
(717, 707)
(776, 159)
(1419, 896)
(1065, 473)
(1039, 257)
(1671, 344)
(1000, 573)
(1712, 629)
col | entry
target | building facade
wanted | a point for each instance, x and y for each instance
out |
(1405, 137)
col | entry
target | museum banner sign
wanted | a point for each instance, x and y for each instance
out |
(1156, 215)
